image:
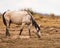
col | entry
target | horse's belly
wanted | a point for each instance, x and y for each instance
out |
(16, 21)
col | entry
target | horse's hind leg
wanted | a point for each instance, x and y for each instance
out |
(7, 29)
(22, 26)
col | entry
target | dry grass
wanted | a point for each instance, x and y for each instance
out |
(50, 29)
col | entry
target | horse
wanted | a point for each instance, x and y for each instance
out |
(20, 18)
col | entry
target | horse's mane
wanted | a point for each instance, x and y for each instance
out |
(34, 23)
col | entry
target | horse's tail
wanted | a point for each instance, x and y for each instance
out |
(4, 18)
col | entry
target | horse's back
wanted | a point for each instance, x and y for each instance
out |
(16, 13)
(18, 17)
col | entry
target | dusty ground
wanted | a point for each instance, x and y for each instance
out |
(50, 37)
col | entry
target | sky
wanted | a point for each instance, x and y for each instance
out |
(41, 6)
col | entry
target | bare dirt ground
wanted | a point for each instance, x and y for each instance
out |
(50, 36)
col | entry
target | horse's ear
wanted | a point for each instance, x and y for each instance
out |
(8, 10)
(39, 25)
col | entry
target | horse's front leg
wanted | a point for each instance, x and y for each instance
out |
(29, 30)
(22, 26)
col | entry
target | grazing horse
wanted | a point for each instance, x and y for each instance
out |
(20, 18)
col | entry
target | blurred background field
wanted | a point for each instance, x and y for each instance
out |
(50, 33)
